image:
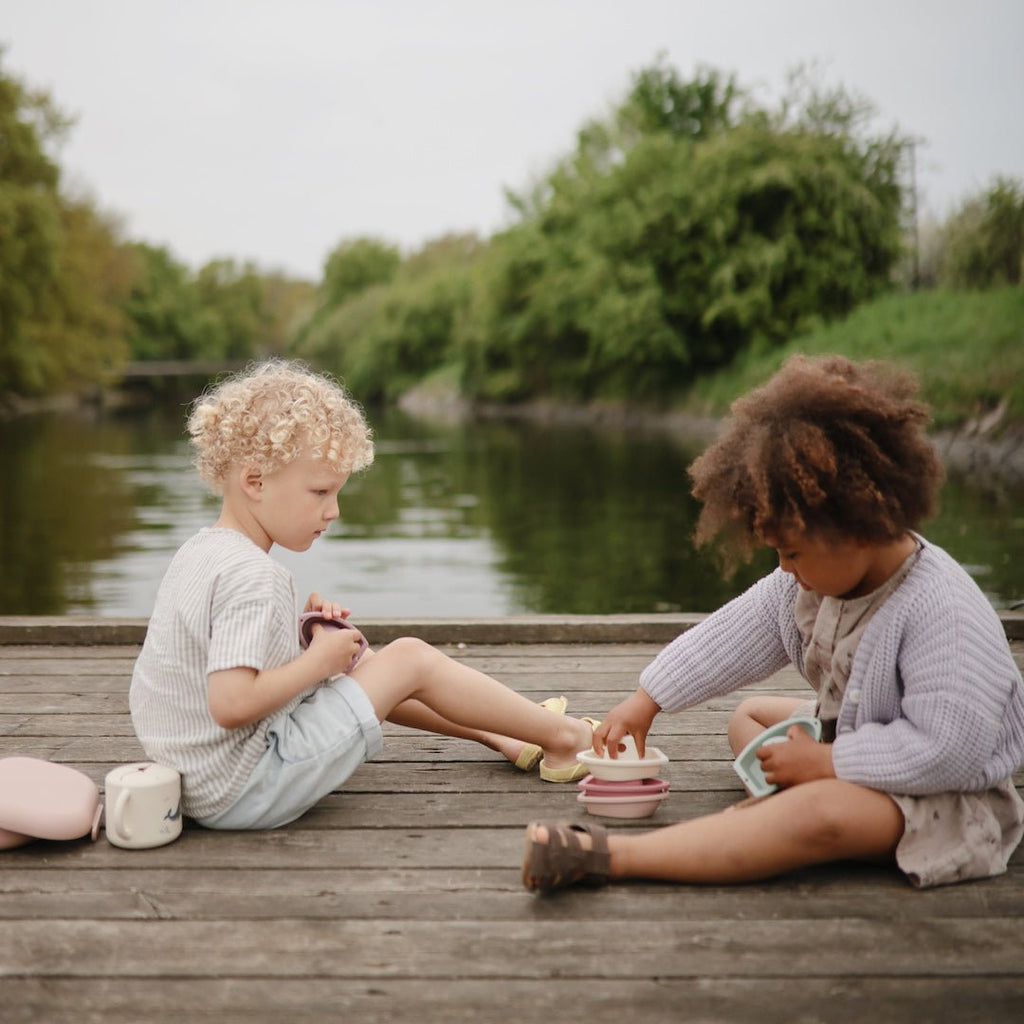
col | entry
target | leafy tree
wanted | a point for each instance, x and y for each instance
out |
(383, 337)
(79, 335)
(64, 271)
(286, 302)
(234, 323)
(679, 233)
(660, 102)
(339, 339)
(411, 336)
(983, 243)
(226, 311)
(355, 265)
(29, 217)
(684, 228)
(163, 307)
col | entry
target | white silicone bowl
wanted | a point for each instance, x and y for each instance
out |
(624, 769)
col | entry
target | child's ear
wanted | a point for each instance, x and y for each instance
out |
(251, 480)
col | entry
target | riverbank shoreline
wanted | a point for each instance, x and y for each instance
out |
(983, 451)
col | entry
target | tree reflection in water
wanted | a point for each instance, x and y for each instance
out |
(486, 518)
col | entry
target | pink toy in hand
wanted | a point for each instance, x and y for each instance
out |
(310, 619)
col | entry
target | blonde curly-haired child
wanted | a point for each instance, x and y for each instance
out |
(222, 691)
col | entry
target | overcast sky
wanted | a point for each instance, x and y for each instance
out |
(272, 129)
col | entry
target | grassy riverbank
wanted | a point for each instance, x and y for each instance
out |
(966, 348)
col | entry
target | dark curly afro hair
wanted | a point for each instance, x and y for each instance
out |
(827, 447)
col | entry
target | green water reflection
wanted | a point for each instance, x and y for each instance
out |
(492, 518)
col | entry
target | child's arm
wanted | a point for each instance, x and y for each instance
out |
(240, 696)
(633, 717)
(740, 643)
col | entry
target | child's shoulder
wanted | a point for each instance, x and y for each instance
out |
(221, 543)
(939, 588)
(219, 552)
(940, 568)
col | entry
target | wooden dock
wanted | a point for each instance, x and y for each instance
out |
(400, 898)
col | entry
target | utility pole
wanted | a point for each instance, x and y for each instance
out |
(915, 282)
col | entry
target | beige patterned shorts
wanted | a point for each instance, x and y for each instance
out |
(953, 837)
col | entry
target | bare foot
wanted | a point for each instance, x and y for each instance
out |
(507, 746)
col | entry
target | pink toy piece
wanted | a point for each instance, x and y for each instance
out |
(641, 806)
(640, 787)
(43, 800)
(310, 619)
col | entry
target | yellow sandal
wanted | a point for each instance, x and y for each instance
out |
(572, 772)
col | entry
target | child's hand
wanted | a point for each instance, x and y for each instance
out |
(334, 648)
(633, 717)
(328, 609)
(799, 759)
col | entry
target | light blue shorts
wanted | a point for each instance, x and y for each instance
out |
(310, 753)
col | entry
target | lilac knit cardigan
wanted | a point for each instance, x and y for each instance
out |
(934, 702)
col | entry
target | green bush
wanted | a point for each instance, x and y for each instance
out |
(983, 243)
(967, 350)
(670, 242)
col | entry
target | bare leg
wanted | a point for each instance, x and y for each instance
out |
(814, 823)
(408, 668)
(414, 715)
(753, 715)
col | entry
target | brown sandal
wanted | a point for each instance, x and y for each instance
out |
(563, 860)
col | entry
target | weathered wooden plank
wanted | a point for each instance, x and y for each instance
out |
(68, 652)
(580, 703)
(61, 726)
(522, 629)
(707, 718)
(441, 774)
(495, 777)
(952, 947)
(402, 747)
(736, 1000)
(401, 895)
(359, 845)
(351, 847)
(852, 891)
(36, 670)
(63, 703)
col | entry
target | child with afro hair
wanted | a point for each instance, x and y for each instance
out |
(918, 696)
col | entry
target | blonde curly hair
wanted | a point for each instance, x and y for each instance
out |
(272, 413)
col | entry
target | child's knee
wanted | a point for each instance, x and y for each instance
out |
(745, 710)
(413, 652)
(743, 724)
(819, 816)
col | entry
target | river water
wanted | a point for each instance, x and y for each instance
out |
(481, 519)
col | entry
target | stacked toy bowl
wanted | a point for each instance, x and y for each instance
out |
(627, 786)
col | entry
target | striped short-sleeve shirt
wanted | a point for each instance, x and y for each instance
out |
(223, 603)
